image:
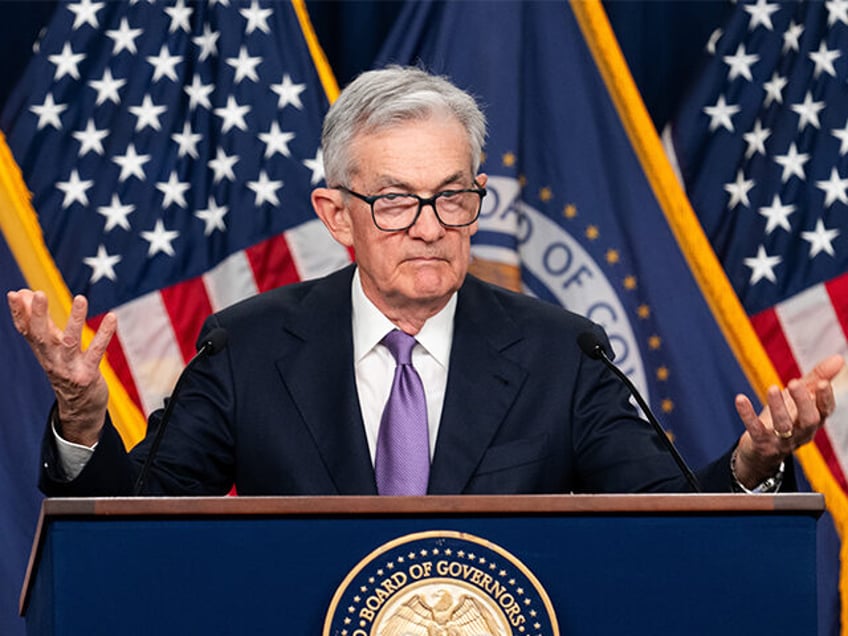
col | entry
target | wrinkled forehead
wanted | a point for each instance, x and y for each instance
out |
(435, 138)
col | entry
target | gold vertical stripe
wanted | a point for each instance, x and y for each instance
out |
(319, 59)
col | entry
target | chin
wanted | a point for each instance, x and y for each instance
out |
(431, 281)
(433, 289)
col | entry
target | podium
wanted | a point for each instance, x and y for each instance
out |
(599, 564)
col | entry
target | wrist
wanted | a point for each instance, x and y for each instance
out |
(753, 465)
(75, 429)
(770, 483)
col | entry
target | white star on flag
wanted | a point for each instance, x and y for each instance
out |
(75, 189)
(102, 265)
(820, 239)
(116, 214)
(721, 114)
(276, 141)
(160, 239)
(91, 139)
(738, 191)
(85, 12)
(131, 164)
(67, 63)
(213, 217)
(762, 266)
(123, 38)
(289, 93)
(834, 188)
(265, 189)
(232, 115)
(48, 113)
(174, 191)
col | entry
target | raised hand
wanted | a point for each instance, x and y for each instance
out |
(789, 420)
(81, 391)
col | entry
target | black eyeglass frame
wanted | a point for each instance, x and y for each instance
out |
(422, 201)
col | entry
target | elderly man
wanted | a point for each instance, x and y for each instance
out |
(399, 375)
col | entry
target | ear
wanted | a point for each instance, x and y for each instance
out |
(330, 207)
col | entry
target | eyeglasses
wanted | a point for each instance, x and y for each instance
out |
(395, 212)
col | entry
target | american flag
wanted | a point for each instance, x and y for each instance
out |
(170, 149)
(762, 147)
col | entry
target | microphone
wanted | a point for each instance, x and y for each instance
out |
(594, 347)
(215, 341)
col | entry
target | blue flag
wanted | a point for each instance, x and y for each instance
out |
(573, 211)
(23, 411)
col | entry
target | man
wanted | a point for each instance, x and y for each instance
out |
(505, 400)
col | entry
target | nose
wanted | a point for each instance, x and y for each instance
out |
(427, 227)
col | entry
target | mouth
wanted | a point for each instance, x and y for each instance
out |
(430, 255)
(424, 259)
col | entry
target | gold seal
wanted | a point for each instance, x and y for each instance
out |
(440, 583)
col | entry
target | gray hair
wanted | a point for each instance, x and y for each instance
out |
(379, 99)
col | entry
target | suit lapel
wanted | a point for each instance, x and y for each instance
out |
(317, 370)
(482, 385)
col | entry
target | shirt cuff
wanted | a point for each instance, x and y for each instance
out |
(72, 457)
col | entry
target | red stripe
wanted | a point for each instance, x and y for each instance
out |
(768, 328)
(188, 306)
(118, 361)
(272, 263)
(822, 442)
(837, 289)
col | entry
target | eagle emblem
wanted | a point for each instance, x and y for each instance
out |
(445, 617)
(440, 583)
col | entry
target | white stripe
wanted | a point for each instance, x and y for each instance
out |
(811, 326)
(837, 424)
(230, 281)
(151, 348)
(314, 251)
(813, 331)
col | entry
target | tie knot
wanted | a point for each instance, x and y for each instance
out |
(400, 344)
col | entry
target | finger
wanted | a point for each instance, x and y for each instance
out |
(101, 339)
(72, 335)
(825, 370)
(39, 322)
(825, 400)
(19, 304)
(809, 417)
(783, 412)
(749, 417)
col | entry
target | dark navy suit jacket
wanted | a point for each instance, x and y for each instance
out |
(277, 412)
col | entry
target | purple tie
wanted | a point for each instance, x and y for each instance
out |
(402, 461)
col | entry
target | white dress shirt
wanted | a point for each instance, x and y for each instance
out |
(375, 365)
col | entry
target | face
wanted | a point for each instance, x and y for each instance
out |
(417, 269)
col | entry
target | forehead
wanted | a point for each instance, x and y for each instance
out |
(417, 152)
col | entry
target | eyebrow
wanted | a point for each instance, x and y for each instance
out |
(388, 181)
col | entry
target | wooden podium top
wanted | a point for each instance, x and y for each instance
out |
(432, 504)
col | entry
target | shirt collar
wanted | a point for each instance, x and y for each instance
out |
(370, 326)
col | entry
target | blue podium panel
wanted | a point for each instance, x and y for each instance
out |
(608, 565)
